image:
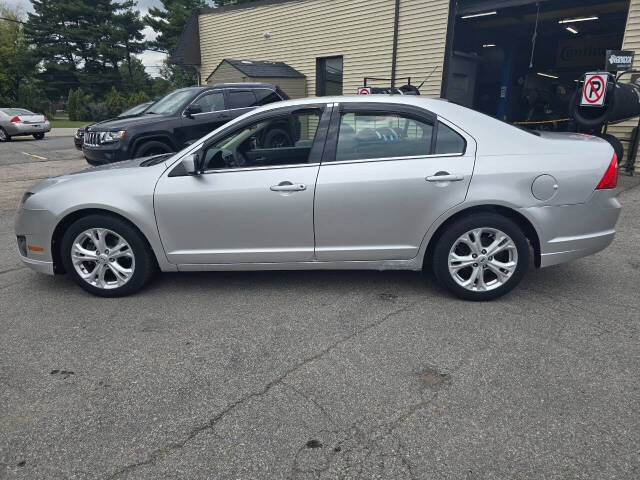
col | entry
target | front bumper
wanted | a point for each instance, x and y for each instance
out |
(568, 232)
(40, 266)
(99, 155)
(36, 226)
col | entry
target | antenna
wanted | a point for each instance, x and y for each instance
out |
(428, 77)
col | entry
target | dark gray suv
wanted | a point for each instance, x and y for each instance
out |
(177, 119)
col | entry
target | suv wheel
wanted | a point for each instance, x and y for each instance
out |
(150, 148)
(481, 257)
(106, 256)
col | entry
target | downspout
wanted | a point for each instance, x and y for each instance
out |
(394, 54)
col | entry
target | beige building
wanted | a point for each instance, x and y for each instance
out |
(479, 53)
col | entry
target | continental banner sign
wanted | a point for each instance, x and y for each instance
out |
(589, 52)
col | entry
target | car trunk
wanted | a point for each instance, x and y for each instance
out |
(35, 118)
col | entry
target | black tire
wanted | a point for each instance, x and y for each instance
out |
(152, 147)
(38, 136)
(4, 136)
(277, 138)
(145, 263)
(446, 241)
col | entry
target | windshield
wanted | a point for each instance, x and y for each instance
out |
(170, 102)
(17, 111)
(134, 110)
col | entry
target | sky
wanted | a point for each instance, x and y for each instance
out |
(149, 59)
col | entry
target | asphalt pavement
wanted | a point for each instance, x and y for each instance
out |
(324, 375)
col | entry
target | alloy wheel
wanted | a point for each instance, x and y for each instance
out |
(102, 258)
(3, 135)
(483, 259)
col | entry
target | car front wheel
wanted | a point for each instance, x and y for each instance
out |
(481, 257)
(107, 256)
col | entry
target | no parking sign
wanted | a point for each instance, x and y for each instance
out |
(594, 89)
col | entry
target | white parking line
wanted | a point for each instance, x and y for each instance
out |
(36, 156)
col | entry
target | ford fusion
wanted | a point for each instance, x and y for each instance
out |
(385, 182)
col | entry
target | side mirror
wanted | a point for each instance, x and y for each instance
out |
(192, 110)
(193, 163)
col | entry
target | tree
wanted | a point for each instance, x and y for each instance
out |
(169, 21)
(17, 60)
(130, 40)
(82, 42)
(134, 77)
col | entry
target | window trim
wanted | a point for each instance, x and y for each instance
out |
(316, 148)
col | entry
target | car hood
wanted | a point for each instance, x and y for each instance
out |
(117, 124)
(107, 169)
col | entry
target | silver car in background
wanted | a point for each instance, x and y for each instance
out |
(384, 182)
(19, 121)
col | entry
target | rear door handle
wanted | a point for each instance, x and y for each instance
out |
(445, 178)
(288, 187)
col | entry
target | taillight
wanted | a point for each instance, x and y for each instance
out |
(610, 177)
(15, 120)
(45, 118)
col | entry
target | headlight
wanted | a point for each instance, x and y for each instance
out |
(110, 137)
(79, 133)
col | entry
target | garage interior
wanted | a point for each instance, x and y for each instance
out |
(520, 60)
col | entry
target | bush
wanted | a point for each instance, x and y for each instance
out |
(114, 102)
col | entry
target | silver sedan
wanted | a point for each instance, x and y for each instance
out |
(19, 121)
(384, 182)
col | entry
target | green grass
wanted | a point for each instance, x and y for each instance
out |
(67, 124)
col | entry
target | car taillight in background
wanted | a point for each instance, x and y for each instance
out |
(45, 118)
(610, 177)
(15, 120)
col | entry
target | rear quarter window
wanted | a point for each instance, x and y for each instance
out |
(449, 141)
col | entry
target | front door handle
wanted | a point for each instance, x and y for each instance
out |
(288, 187)
(444, 177)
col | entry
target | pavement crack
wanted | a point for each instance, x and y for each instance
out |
(311, 400)
(161, 452)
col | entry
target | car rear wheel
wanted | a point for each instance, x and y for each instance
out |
(4, 136)
(106, 256)
(481, 257)
(38, 136)
(150, 148)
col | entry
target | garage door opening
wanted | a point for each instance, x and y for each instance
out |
(521, 63)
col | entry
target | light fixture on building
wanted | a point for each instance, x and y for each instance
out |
(548, 75)
(572, 30)
(581, 19)
(488, 45)
(484, 14)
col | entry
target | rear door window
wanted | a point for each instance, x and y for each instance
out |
(382, 135)
(241, 99)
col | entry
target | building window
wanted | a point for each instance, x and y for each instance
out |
(328, 76)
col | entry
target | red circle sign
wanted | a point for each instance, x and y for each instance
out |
(598, 92)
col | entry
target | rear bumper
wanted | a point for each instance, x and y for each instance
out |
(16, 129)
(568, 232)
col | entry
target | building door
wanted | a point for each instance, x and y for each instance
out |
(329, 76)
